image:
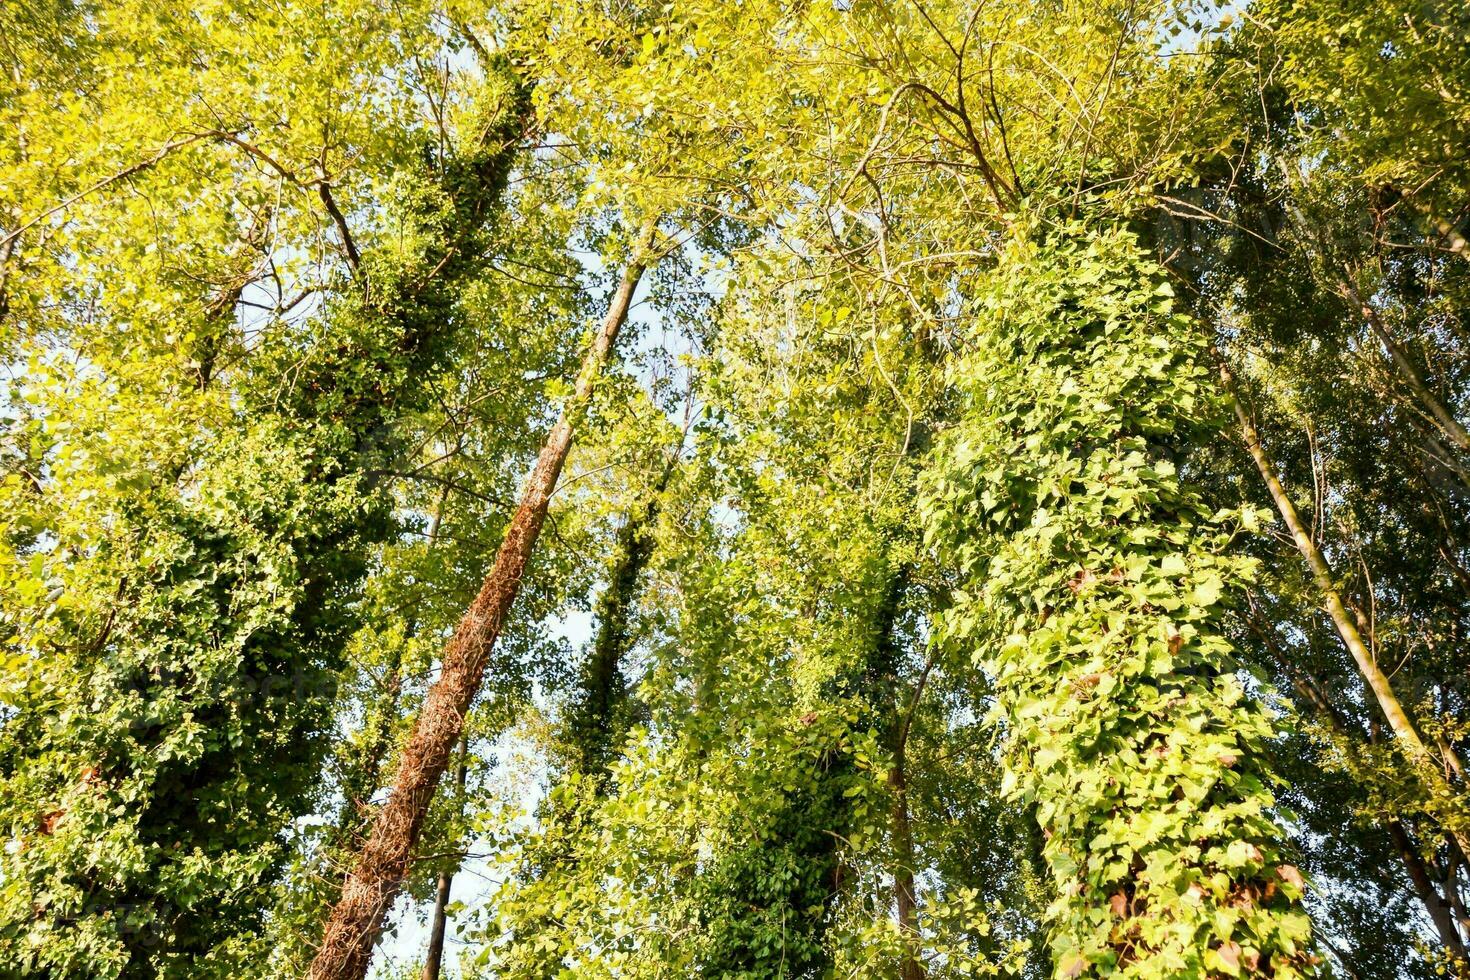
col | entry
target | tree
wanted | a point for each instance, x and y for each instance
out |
(208, 610)
(878, 489)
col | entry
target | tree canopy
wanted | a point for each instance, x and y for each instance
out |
(729, 488)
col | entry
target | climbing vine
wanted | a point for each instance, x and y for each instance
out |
(1095, 584)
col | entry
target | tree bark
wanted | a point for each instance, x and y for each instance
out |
(369, 891)
(1407, 735)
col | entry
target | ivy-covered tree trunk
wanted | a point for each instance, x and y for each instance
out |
(596, 721)
(765, 905)
(1096, 584)
(196, 722)
(893, 715)
(597, 718)
(356, 919)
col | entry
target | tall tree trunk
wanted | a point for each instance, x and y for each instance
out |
(361, 784)
(1448, 424)
(434, 957)
(368, 893)
(904, 894)
(1378, 683)
(1310, 691)
(593, 724)
(883, 680)
(1438, 909)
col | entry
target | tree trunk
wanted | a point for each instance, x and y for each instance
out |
(434, 957)
(1393, 712)
(369, 891)
(1434, 903)
(1446, 421)
(593, 725)
(1448, 424)
(361, 785)
(904, 894)
(1311, 691)
(883, 684)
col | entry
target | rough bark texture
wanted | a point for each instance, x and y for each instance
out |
(1378, 683)
(357, 918)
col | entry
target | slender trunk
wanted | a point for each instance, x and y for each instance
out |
(360, 786)
(904, 894)
(1446, 421)
(434, 958)
(1440, 905)
(369, 891)
(1311, 692)
(593, 723)
(1453, 863)
(1393, 712)
(7, 249)
(1448, 424)
(1434, 903)
(882, 679)
(1461, 576)
(1438, 452)
(1449, 760)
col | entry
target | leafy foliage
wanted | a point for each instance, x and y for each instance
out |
(963, 566)
(1096, 582)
